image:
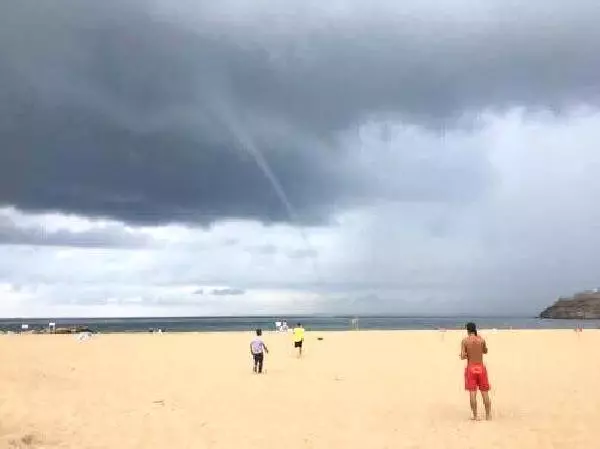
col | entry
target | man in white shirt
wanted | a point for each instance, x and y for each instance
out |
(258, 350)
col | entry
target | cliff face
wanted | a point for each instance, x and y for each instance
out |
(581, 306)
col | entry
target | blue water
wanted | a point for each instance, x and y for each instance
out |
(222, 324)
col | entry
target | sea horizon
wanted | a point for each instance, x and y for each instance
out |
(316, 322)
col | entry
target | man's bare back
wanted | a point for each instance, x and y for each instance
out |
(473, 348)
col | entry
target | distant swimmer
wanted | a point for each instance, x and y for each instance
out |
(258, 350)
(298, 338)
(473, 347)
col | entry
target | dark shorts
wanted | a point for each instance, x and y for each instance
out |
(298, 344)
(258, 357)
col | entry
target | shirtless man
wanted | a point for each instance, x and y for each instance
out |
(472, 349)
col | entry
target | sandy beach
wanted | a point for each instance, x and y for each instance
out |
(351, 390)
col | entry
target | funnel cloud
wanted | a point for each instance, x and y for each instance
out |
(434, 157)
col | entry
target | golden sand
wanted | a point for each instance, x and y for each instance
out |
(366, 390)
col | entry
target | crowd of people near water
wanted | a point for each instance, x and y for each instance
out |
(472, 349)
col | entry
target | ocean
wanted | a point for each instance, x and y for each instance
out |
(320, 323)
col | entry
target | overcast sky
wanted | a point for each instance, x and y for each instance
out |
(189, 157)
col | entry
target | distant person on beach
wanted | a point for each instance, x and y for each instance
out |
(472, 349)
(258, 350)
(298, 338)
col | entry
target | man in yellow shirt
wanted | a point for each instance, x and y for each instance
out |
(298, 338)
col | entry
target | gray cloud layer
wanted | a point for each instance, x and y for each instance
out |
(128, 110)
(107, 237)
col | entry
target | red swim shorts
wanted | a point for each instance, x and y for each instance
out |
(476, 377)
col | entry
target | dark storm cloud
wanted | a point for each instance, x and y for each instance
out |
(109, 237)
(112, 109)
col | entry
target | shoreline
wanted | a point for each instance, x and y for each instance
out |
(248, 324)
(318, 323)
(309, 332)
